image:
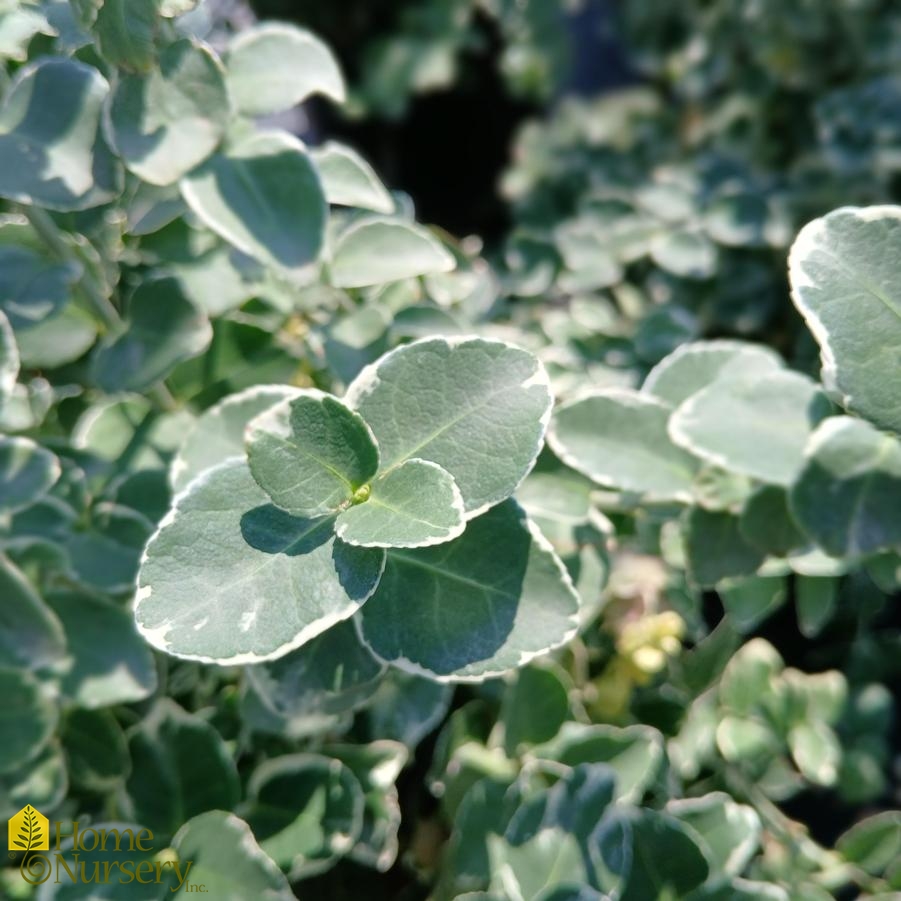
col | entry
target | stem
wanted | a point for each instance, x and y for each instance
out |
(49, 232)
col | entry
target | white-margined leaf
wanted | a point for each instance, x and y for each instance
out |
(414, 505)
(378, 250)
(107, 661)
(262, 195)
(162, 328)
(695, 365)
(330, 674)
(227, 860)
(475, 407)
(348, 180)
(9, 359)
(274, 66)
(169, 120)
(844, 279)
(27, 472)
(478, 606)
(848, 494)
(306, 810)
(31, 636)
(218, 433)
(51, 151)
(229, 578)
(619, 438)
(311, 454)
(756, 425)
(29, 717)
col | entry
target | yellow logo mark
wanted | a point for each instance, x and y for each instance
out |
(29, 830)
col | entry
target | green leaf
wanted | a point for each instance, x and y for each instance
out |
(847, 496)
(305, 810)
(180, 768)
(27, 473)
(51, 152)
(844, 283)
(749, 675)
(666, 861)
(375, 250)
(32, 287)
(262, 195)
(406, 708)
(525, 870)
(258, 585)
(376, 767)
(348, 180)
(874, 843)
(751, 600)
(484, 603)
(311, 454)
(274, 66)
(108, 663)
(619, 438)
(96, 750)
(695, 365)
(767, 524)
(716, 549)
(42, 781)
(329, 675)
(816, 600)
(217, 434)
(29, 718)
(126, 30)
(475, 407)
(745, 740)
(9, 359)
(162, 328)
(756, 425)
(417, 504)
(166, 122)
(816, 751)
(61, 338)
(633, 753)
(727, 832)
(227, 859)
(534, 707)
(30, 635)
(685, 254)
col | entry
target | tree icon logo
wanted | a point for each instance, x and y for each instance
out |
(29, 831)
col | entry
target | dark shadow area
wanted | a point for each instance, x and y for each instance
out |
(273, 531)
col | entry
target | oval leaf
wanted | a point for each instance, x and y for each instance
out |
(619, 438)
(755, 425)
(477, 408)
(844, 282)
(311, 453)
(273, 67)
(51, 151)
(27, 473)
(349, 180)
(262, 195)
(848, 494)
(218, 433)
(163, 328)
(415, 505)
(375, 251)
(483, 604)
(228, 578)
(165, 123)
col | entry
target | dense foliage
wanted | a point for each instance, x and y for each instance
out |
(348, 557)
